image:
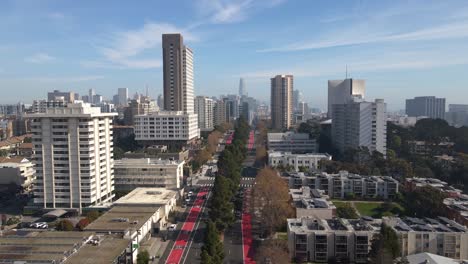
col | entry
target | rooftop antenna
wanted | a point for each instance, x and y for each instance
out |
(147, 92)
(346, 71)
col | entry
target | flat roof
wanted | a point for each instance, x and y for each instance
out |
(40, 246)
(110, 248)
(147, 196)
(122, 218)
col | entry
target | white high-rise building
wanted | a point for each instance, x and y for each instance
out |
(188, 81)
(73, 156)
(204, 107)
(122, 94)
(342, 91)
(91, 94)
(360, 124)
(242, 91)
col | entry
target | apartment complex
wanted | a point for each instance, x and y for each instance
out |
(440, 236)
(319, 240)
(312, 203)
(141, 106)
(429, 106)
(358, 123)
(73, 156)
(17, 170)
(166, 126)
(281, 101)
(177, 74)
(342, 91)
(132, 173)
(345, 184)
(308, 161)
(40, 106)
(291, 142)
(204, 107)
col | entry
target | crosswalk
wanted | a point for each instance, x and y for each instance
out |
(241, 185)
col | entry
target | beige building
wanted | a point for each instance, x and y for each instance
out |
(319, 240)
(281, 101)
(219, 113)
(132, 173)
(309, 161)
(440, 236)
(177, 74)
(17, 170)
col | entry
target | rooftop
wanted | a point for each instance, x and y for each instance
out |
(109, 248)
(146, 162)
(123, 218)
(287, 136)
(441, 224)
(307, 224)
(278, 154)
(14, 159)
(147, 196)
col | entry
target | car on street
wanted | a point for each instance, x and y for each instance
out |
(172, 227)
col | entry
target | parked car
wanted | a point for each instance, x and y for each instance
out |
(172, 227)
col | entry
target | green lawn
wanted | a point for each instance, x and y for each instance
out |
(377, 210)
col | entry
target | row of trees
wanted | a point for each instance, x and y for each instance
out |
(228, 178)
(205, 154)
(212, 250)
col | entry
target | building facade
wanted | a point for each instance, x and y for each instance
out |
(17, 170)
(440, 236)
(342, 91)
(141, 106)
(166, 126)
(132, 173)
(177, 74)
(360, 124)
(73, 157)
(69, 97)
(40, 106)
(204, 107)
(308, 161)
(345, 184)
(219, 113)
(320, 240)
(291, 142)
(122, 94)
(281, 101)
(457, 115)
(429, 106)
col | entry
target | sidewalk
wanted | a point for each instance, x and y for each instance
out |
(155, 247)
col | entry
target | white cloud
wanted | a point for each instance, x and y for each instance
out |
(70, 79)
(447, 31)
(40, 58)
(128, 46)
(391, 61)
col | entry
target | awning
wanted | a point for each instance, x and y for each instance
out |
(55, 213)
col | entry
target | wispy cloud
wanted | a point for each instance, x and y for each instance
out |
(56, 16)
(128, 46)
(231, 11)
(70, 79)
(446, 31)
(40, 58)
(392, 61)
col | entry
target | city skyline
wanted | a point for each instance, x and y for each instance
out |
(53, 45)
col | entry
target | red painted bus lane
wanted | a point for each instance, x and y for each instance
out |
(182, 239)
(247, 232)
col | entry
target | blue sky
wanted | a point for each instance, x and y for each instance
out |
(402, 48)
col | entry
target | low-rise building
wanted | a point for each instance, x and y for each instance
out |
(165, 127)
(292, 142)
(17, 170)
(312, 203)
(132, 173)
(319, 240)
(307, 161)
(345, 184)
(412, 183)
(64, 247)
(440, 236)
(457, 208)
(136, 216)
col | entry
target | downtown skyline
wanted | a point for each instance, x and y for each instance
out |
(402, 49)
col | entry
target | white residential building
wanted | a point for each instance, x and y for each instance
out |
(360, 124)
(310, 161)
(73, 156)
(17, 170)
(40, 106)
(312, 203)
(291, 142)
(132, 173)
(342, 91)
(440, 236)
(344, 184)
(166, 126)
(318, 240)
(204, 107)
